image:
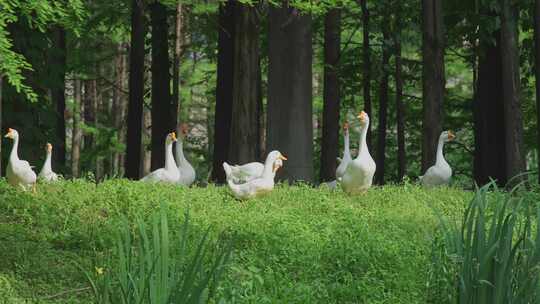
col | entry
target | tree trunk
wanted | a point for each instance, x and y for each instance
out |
(58, 97)
(400, 108)
(290, 122)
(433, 79)
(136, 91)
(537, 76)
(89, 113)
(119, 105)
(260, 115)
(244, 134)
(515, 160)
(366, 52)
(383, 106)
(331, 107)
(224, 89)
(162, 116)
(77, 132)
(1, 126)
(176, 64)
(489, 155)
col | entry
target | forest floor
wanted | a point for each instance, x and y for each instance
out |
(296, 245)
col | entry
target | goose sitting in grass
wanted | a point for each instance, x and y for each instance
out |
(358, 176)
(258, 186)
(19, 173)
(440, 173)
(168, 174)
(185, 169)
(46, 172)
(245, 173)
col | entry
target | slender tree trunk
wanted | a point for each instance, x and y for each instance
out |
(515, 158)
(147, 133)
(331, 107)
(400, 108)
(260, 115)
(77, 132)
(224, 89)
(1, 122)
(119, 105)
(176, 64)
(162, 116)
(244, 134)
(537, 76)
(383, 107)
(58, 97)
(89, 113)
(290, 122)
(433, 79)
(366, 54)
(136, 91)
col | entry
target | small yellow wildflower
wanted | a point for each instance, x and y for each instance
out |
(100, 270)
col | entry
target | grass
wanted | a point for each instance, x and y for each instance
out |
(296, 245)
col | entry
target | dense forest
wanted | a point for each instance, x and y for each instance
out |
(105, 81)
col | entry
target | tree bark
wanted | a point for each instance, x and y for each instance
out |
(244, 138)
(366, 54)
(178, 43)
(136, 91)
(400, 107)
(224, 89)
(537, 76)
(515, 160)
(1, 122)
(77, 132)
(58, 97)
(383, 107)
(433, 79)
(290, 121)
(90, 111)
(162, 116)
(331, 95)
(119, 105)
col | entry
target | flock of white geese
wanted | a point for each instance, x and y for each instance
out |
(248, 180)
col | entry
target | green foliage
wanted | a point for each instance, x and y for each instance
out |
(493, 256)
(296, 245)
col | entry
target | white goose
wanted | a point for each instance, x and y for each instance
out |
(345, 160)
(358, 176)
(245, 173)
(260, 185)
(46, 172)
(185, 169)
(19, 173)
(168, 174)
(440, 173)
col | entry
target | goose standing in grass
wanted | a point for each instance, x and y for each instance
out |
(19, 173)
(245, 173)
(358, 176)
(260, 185)
(185, 169)
(441, 172)
(46, 172)
(169, 174)
(344, 161)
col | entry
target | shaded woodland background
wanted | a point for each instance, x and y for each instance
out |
(104, 81)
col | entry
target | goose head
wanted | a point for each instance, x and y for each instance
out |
(447, 136)
(346, 126)
(363, 118)
(276, 159)
(12, 134)
(171, 137)
(48, 148)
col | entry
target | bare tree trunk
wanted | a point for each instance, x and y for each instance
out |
(1, 126)
(400, 108)
(77, 132)
(162, 118)
(537, 76)
(136, 91)
(515, 158)
(433, 79)
(224, 89)
(331, 107)
(58, 97)
(176, 64)
(366, 54)
(383, 107)
(119, 106)
(290, 121)
(147, 153)
(244, 134)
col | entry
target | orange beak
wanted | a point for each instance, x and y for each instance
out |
(9, 133)
(173, 136)
(282, 157)
(48, 146)
(451, 136)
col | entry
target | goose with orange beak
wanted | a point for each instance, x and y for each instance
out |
(168, 174)
(19, 173)
(440, 173)
(185, 169)
(258, 186)
(358, 176)
(344, 161)
(46, 172)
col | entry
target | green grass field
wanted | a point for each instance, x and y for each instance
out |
(296, 245)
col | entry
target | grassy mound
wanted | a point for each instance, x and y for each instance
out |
(296, 245)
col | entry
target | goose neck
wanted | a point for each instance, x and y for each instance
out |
(14, 155)
(169, 160)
